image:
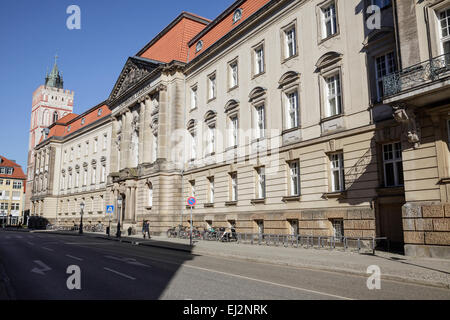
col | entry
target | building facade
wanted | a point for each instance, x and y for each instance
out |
(419, 93)
(72, 166)
(285, 117)
(12, 192)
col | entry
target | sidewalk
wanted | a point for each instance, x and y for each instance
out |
(435, 272)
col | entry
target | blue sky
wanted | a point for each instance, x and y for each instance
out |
(32, 32)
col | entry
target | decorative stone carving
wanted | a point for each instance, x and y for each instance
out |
(407, 118)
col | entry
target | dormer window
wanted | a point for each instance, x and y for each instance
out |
(83, 120)
(199, 46)
(237, 15)
(68, 129)
(99, 112)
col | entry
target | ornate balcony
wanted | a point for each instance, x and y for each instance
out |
(416, 76)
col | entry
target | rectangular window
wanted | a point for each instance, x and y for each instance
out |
(233, 74)
(71, 154)
(338, 229)
(95, 145)
(105, 141)
(85, 174)
(194, 97)
(337, 172)
(329, 21)
(86, 150)
(392, 162)
(2, 170)
(234, 186)
(77, 179)
(94, 175)
(212, 87)
(65, 155)
(384, 65)
(211, 139)
(290, 43)
(333, 95)
(193, 146)
(17, 184)
(8, 182)
(211, 190)
(234, 131)
(79, 151)
(261, 184)
(291, 111)
(260, 122)
(103, 173)
(294, 175)
(259, 60)
(192, 184)
(444, 20)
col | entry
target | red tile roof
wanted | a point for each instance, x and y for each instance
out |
(223, 24)
(171, 43)
(61, 127)
(17, 169)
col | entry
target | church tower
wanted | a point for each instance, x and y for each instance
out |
(50, 103)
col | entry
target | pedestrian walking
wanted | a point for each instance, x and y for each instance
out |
(146, 229)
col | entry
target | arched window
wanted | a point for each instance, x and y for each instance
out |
(55, 116)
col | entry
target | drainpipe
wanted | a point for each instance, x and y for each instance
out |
(397, 38)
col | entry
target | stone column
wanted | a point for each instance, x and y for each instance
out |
(147, 132)
(126, 140)
(133, 204)
(142, 146)
(163, 134)
(114, 165)
(128, 201)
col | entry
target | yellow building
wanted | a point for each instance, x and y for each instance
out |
(11, 192)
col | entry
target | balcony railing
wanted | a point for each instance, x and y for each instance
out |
(417, 75)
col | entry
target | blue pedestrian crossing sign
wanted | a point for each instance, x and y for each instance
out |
(110, 209)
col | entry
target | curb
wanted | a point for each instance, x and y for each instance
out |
(134, 241)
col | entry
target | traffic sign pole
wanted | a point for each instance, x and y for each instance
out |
(191, 202)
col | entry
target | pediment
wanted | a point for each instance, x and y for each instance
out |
(135, 70)
(328, 59)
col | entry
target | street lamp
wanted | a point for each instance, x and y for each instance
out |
(119, 213)
(81, 213)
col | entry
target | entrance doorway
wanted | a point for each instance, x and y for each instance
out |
(391, 225)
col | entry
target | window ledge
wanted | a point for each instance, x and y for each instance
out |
(337, 116)
(334, 195)
(231, 203)
(444, 181)
(193, 109)
(258, 201)
(208, 205)
(231, 148)
(233, 88)
(258, 74)
(291, 198)
(390, 191)
(290, 58)
(211, 100)
(290, 130)
(328, 38)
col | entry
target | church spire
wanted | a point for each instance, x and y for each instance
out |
(54, 80)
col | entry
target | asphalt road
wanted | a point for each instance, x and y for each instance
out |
(36, 265)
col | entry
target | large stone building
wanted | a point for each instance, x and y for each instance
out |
(12, 192)
(286, 117)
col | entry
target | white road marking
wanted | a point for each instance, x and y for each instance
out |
(119, 273)
(73, 257)
(253, 279)
(48, 249)
(128, 261)
(44, 268)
